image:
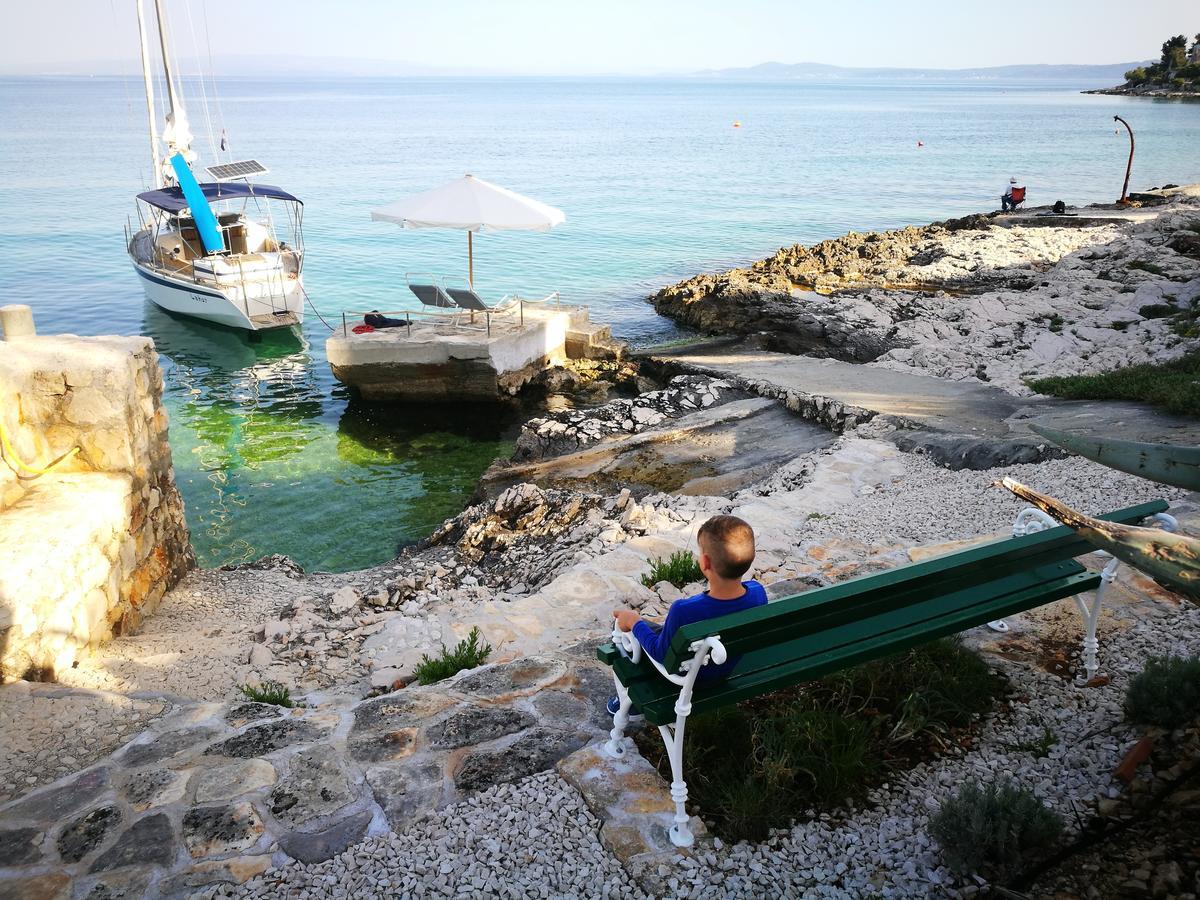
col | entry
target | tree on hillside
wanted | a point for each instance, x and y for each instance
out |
(1174, 53)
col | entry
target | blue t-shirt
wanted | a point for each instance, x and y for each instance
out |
(696, 609)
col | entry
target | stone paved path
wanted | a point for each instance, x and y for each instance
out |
(218, 792)
(956, 422)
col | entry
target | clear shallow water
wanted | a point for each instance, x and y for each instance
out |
(273, 456)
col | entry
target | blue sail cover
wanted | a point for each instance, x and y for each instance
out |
(172, 200)
(206, 222)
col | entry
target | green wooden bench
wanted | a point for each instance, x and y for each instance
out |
(809, 635)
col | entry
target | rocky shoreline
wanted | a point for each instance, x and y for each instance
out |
(970, 299)
(485, 783)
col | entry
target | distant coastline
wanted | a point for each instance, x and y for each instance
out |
(1158, 93)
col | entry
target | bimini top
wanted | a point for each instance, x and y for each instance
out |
(172, 200)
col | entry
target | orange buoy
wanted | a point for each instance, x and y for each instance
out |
(737, 124)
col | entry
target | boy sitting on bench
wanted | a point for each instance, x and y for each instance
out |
(726, 552)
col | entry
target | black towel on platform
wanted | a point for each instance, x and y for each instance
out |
(375, 320)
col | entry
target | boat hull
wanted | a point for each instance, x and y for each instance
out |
(184, 297)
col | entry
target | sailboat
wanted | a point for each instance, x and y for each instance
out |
(224, 249)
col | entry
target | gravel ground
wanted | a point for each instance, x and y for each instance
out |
(195, 645)
(46, 733)
(931, 504)
(532, 838)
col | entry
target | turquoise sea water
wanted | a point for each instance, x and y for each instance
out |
(273, 456)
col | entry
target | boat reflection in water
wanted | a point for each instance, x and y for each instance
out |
(272, 456)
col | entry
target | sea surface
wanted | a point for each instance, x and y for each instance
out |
(273, 456)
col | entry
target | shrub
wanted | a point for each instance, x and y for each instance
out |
(1157, 311)
(268, 692)
(992, 830)
(467, 654)
(680, 569)
(760, 764)
(1173, 386)
(1166, 693)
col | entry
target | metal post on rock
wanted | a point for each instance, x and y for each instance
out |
(1124, 201)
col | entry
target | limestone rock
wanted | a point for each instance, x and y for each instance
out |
(343, 600)
(233, 780)
(535, 751)
(212, 830)
(406, 792)
(262, 739)
(475, 725)
(53, 804)
(312, 848)
(148, 841)
(20, 846)
(85, 834)
(260, 657)
(317, 783)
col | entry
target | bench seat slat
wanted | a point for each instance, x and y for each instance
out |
(873, 601)
(656, 696)
(757, 627)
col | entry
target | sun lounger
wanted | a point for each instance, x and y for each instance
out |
(467, 299)
(432, 295)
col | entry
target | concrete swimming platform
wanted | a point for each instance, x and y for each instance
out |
(437, 356)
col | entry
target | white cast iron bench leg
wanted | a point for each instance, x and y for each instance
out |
(709, 649)
(1032, 520)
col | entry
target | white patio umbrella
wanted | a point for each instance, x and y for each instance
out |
(471, 204)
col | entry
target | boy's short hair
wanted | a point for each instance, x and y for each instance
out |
(729, 542)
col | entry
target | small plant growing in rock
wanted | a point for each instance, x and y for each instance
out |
(680, 569)
(467, 654)
(1145, 266)
(1166, 693)
(268, 692)
(993, 830)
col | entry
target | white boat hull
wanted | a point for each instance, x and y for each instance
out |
(185, 297)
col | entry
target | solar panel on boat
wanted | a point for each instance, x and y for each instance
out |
(242, 169)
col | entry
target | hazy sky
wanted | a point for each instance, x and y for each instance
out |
(571, 36)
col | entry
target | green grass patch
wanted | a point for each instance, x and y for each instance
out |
(1166, 693)
(817, 517)
(1055, 323)
(680, 569)
(762, 763)
(993, 830)
(1143, 266)
(268, 692)
(1173, 386)
(1040, 747)
(468, 653)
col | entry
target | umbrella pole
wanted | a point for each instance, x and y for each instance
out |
(471, 265)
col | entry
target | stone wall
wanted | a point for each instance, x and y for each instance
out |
(88, 549)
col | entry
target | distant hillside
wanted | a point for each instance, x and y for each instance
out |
(1078, 75)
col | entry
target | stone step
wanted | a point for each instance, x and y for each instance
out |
(590, 340)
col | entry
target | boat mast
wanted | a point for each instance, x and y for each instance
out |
(177, 134)
(155, 166)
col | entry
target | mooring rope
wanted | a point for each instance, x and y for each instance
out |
(313, 307)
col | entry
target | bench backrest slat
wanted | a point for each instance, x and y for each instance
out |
(872, 645)
(929, 611)
(866, 595)
(873, 600)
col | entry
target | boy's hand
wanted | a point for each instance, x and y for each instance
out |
(626, 619)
